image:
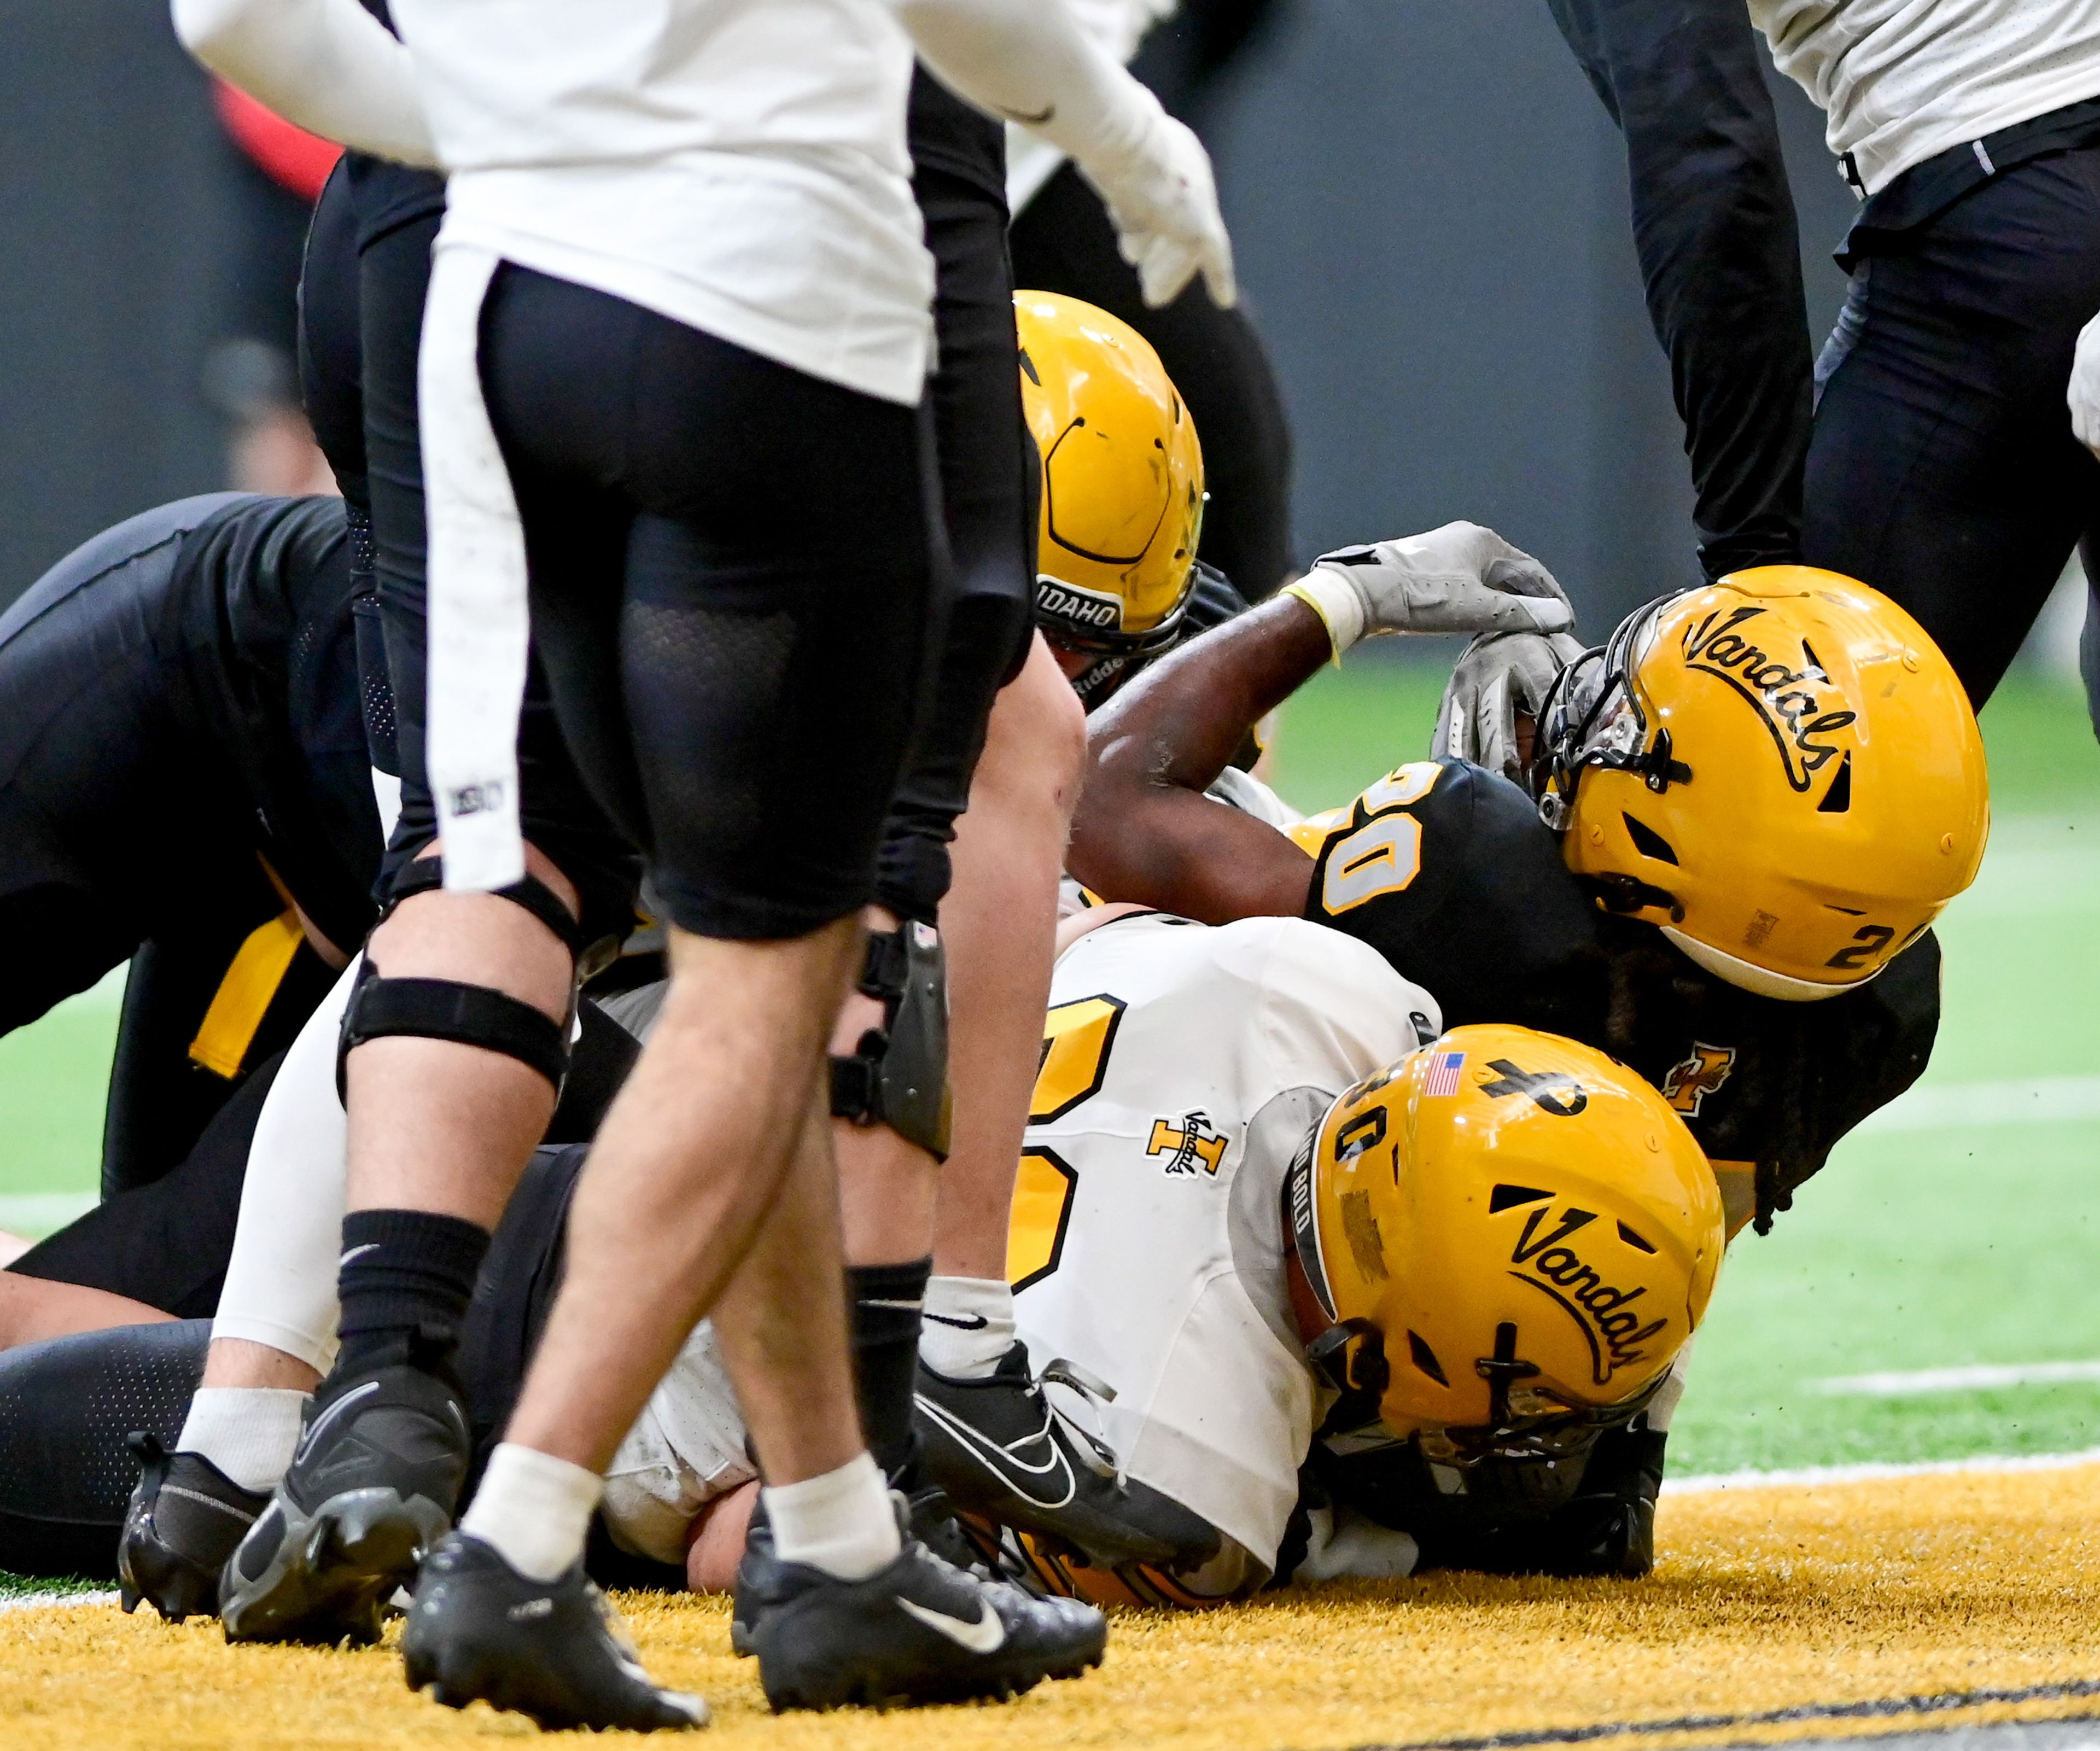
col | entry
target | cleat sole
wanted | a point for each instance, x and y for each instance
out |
(330, 1578)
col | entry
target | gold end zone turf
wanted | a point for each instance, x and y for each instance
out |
(1777, 1613)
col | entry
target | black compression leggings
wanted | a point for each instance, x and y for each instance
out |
(65, 1408)
(988, 481)
(730, 564)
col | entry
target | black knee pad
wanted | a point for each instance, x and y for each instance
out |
(899, 1075)
(469, 1015)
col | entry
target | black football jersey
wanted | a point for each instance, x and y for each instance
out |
(1447, 870)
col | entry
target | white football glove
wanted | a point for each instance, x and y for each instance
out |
(1163, 201)
(2084, 392)
(1500, 675)
(1460, 578)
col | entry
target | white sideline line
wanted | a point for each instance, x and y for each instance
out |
(34, 1214)
(2049, 1100)
(40, 1601)
(1979, 1379)
(1873, 1472)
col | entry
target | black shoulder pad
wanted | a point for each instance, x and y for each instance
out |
(1462, 888)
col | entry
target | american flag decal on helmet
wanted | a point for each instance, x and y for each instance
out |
(1443, 1069)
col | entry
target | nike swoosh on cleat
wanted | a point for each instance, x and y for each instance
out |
(335, 1411)
(987, 1635)
(975, 1322)
(1004, 1463)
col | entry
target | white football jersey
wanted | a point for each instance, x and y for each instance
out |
(1183, 1067)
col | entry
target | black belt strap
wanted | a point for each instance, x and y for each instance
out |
(1928, 189)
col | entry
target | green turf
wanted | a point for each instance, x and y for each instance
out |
(53, 1076)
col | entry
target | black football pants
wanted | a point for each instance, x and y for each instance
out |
(1943, 470)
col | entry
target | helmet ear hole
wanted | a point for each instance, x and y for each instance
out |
(1648, 842)
(1837, 800)
(1425, 1359)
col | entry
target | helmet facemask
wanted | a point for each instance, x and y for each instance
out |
(1593, 717)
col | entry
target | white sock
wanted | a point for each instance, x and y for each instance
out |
(967, 1325)
(841, 1523)
(248, 1432)
(534, 1509)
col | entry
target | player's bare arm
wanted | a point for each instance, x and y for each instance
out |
(1145, 830)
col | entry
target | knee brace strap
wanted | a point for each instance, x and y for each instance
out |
(469, 1015)
(426, 874)
(898, 1073)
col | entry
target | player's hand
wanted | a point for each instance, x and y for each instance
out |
(1460, 578)
(1163, 201)
(1496, 688)
(2084, 394)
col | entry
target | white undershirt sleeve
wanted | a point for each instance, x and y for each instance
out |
(281, 1282)
(327, 66)
(1028, 61)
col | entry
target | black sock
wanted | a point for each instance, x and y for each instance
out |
(405, 1279)
(886, 1299)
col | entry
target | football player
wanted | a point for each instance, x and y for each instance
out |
(185, 781)
(1752, 803)
(1461, 1272)
(1124, 496)
(826, 367)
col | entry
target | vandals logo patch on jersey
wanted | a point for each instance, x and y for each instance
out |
(1800, 704)
(1688, 1084)
(1550, 1265)
(1188, 1142)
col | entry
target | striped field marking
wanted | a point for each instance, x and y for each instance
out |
(2047, 1101)
(1982, 1377)
(40, 1601)
(1873, 1471)
(34, 1214)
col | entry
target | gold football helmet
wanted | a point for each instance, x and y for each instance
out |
(1511, 1236)
(1780, 770)
(1123, 479)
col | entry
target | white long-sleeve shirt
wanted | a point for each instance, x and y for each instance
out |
(1117, 27)
(738, 165)
(1902, 80)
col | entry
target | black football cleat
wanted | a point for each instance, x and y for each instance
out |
(372, 1487)
(917, 1631)
(999, 1450)
(555, 1651)
(185, 1517)
(929, 1517)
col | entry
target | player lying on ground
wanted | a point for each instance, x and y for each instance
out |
(1763, 791)
(1212, 1225)
(1189, 1072)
